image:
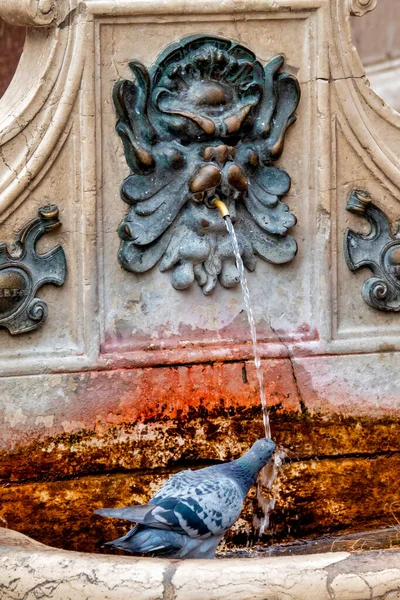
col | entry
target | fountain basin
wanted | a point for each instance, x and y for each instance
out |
(29, 568)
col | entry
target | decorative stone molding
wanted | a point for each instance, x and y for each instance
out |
(35, 109)
(359, 8)
(29, 568)
(362, 115)
(60, 101)
(384, 78)
(29, 13)
(379, 250)
(207, 121)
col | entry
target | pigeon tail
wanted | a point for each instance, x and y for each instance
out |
(159, 542)
(136, 513)
(146, 539)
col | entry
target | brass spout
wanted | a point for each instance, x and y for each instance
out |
(222, 207)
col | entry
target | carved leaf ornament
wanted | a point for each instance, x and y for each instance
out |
(206, 121)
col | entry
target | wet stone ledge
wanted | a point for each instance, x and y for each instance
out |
(127, 432)
(313, 498)
(30, 569)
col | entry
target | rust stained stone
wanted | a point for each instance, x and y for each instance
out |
(98, 400)
(158, 420)
(313, 498)
(201, 436)
(151, 418)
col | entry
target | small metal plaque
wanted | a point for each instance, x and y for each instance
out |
(24, 271)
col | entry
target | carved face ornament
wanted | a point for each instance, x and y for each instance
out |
(206, 121)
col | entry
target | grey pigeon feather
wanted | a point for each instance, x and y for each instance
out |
(190, 514)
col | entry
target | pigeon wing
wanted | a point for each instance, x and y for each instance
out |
(189, 504)
(203, 509)
(136, 513)
(179, 482)
(141, 513)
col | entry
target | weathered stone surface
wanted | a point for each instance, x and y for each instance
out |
(130, 374)
(28, 570)
(59, 140)
(31, 571)
(386, 538)
(109, 421)
(313, 498)
(351, 494)
(144, 418)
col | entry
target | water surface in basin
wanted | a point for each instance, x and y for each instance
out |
(379, 539)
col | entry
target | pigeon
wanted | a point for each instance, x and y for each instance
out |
(190, 514)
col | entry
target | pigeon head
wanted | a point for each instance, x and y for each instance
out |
(257, 457)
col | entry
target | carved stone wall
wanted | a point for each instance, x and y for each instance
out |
(127, 372)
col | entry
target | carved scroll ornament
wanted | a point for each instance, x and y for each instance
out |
(359, 8)
(379, 251)
(24, 271)
(207, 120)
(30, 13)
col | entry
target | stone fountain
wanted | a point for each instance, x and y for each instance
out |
(125, 350)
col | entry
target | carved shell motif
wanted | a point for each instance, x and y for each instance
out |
(206, 120)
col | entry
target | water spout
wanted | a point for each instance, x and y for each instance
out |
(222, 207)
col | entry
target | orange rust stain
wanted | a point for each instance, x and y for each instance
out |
(94, 400)
(199, 435)
(171, 392)
(151, 418)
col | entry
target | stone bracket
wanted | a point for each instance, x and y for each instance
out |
(379, 250)
(23, 272)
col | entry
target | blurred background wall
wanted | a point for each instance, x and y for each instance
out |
(11, 43)
(377, 39)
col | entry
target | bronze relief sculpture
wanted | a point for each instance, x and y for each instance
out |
(24, 271)
(379, 251)
(206, 121)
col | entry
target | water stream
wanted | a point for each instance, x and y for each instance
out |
(268, 474)
(252, 324)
